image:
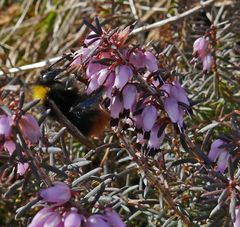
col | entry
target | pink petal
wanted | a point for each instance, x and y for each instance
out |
(102, 75)
(171, 107)
(116, 107)
(109, 84)
(222, 161)
(129, 93)
(113, 218)
(93, 85)
(180, 117)
(81, 56)
(151, 61)
(149, 116)
(167, 89)
(110, 80)
(40, 218)
(30, 128)
(137, 59)
(215, 150)
(10, 146)
(59, 193)
(22, 168)
(123, 75)
(179, 93)
(5, 125)
(93, 68)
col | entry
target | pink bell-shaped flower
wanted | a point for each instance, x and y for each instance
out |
(218, 154)
(22, 168)
(215, 150)
(150, 61)
(93, 68)
(54, 220)
(137, 59)
(5, 125)
(200, 47)
(123, 75)
(167, 88)
(97, 220)
(59, 193)
(174, 95)
(114, 218)
(116, 107)
(207, 62)
(73, 219)
(81, 55)
(29, 128)
(5, 132)
(10, 146)
(155, 141)
(171, 107)
(179, 93)
(129, 94)
(149, 116)
(41, 217)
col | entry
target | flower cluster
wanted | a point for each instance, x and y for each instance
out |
(28, 126)
(29, 129)
(134, 89)
(58, 216)
(201, 52)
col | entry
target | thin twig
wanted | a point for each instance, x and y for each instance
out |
(172, 19)
(36, 65)
(133, 9)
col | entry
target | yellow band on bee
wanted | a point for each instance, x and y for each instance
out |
(40, 92)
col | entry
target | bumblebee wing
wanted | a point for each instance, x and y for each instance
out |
(83, 106)
(87, 104)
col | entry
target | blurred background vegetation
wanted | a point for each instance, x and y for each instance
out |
(36, 30)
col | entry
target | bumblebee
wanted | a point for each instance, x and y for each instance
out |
(68, 104)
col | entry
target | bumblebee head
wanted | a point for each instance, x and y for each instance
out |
(48, 78)
(44, 82)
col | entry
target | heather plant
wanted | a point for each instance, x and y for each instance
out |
(170, 155)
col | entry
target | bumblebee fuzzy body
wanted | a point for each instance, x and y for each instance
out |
(90, 120)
